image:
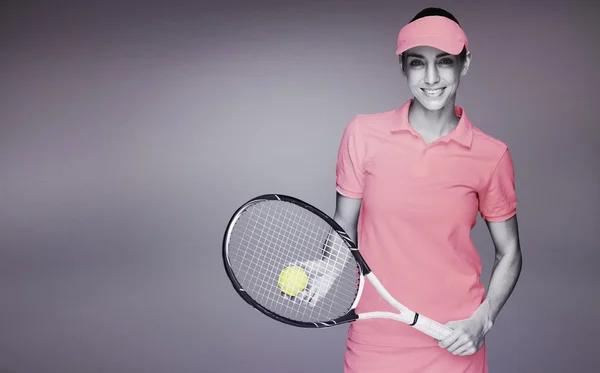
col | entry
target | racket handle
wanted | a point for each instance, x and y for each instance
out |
(432, 328)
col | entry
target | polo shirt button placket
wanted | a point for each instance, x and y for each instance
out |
(421, 166)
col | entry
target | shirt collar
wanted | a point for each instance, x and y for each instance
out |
(463, 133)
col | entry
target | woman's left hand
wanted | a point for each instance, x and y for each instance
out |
(468, 335)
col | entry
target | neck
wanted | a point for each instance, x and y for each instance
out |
(432, 122)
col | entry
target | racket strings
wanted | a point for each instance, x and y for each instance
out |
(271, 235)
(294, 232)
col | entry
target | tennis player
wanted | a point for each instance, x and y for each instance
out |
(410, 183)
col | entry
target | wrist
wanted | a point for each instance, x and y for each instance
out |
(485, 314)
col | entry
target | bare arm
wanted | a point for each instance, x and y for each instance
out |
(469, 335)
(506, 269)
(346, 214)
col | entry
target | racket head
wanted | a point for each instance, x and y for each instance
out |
(253, 259)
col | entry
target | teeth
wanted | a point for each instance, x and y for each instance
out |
(433, 92)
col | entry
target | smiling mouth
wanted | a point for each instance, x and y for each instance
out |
(433, 92)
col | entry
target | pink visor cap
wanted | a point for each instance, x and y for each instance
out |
(434, 31)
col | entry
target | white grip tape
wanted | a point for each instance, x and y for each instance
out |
(432, 328)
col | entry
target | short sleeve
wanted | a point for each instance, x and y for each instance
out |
(498, 201)
(350, 158)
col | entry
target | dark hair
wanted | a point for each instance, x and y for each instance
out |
(427, 12)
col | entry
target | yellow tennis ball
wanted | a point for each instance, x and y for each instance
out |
(292, 280)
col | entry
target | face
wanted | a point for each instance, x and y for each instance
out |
(433, 76)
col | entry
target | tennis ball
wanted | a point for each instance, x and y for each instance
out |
(292, 280)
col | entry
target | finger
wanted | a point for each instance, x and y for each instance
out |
(321, 289)
(460, 343)
(287, 296)
(316, 297)
(311, 294)
(303, 296)
(452, 338)
(466, 349)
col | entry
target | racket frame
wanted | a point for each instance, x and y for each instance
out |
(405, 315)
(362, 265)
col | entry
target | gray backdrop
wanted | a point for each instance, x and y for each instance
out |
(130, 132)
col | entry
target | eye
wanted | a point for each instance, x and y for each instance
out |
(446, 61)
(416, 63)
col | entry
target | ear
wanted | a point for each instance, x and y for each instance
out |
(401, 65)
(466, 64)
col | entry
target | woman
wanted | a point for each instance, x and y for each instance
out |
(418, 176)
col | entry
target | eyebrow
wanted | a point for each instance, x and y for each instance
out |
(443, 54)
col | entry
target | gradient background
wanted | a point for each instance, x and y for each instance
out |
(130, 132)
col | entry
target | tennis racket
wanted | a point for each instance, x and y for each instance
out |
(273, 232)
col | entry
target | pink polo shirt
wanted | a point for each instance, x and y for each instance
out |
(419, 204)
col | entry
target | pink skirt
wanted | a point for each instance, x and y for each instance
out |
(364, 358)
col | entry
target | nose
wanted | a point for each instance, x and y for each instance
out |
(432, 76)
